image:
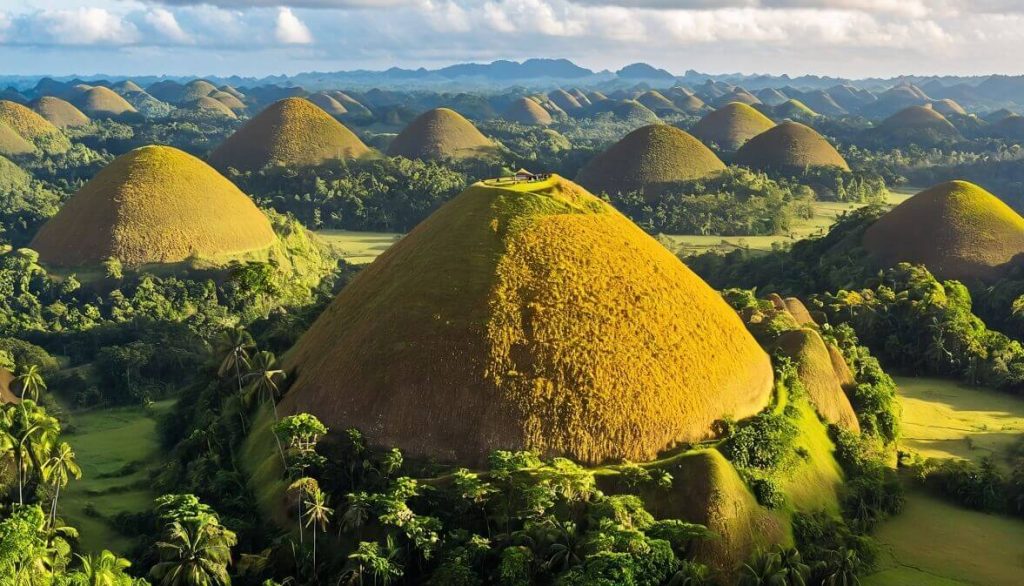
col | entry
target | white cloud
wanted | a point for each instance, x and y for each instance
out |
(82, 26)
(164, 22)
(290, 30)
(446, 15)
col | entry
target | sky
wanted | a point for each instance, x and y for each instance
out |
(847, 38)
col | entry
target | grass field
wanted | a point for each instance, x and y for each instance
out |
(115, 448)
(933, 543)
(363, 247)
(944, 419)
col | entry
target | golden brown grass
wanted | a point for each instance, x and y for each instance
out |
(819, 376)
(24, 121)
(293, 133)
(532, 316)
(100, 102)
(153, 205)
(794, 109)
(12, 143)
(957, 229)
(565, 100)
(212, 107)
(656, 101)
(790, 146)
(440, 134)
(651, 159)
(527, 111)
(731, 125)
(328, 104)
(60, 113)
(229, 100)
(916, 123)
(947, 106)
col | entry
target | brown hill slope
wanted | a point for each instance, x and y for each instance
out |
(440, 134)
(649, 159)
(501, 322)
(292, 132)
(790, 146)
(730, 126)
(153, 205)
(957, 229)
(60, 113)
(101, 102)
(527, 111)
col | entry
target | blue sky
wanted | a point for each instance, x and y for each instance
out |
(854, 38)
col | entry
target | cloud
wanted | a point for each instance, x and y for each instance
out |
(290, 3)
(165, 24)
(81, 26)
(290, 30)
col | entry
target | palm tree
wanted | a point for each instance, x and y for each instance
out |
(195, 552)
(840, 568)
(318, 515)
(264, 386)
(373, 560)
(793, 564)
(58, 470)
(28, 435)
(235, 346)
(31, 382)
(765, 569)
(105, 569)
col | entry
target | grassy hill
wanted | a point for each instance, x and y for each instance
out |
(440, 134)
(293, 132)
(527, 111)
(649, 159)
(730, 126)
(957, 229)
(790, 147)
(101, 102)
(60, 113)
(33, 127)
(509, 290)
(154, 205)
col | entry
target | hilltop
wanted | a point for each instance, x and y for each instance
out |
(957, 230)
(499, 323)
(33, 127)
(101, 102)
(440, 133)
(527, 111)
(154, 205)
(292, 132)
(328, 104)
(790, 147)
(649, 159)
(730, 126)
(12, 143)
(207, 106)
(919, 125)
(60, 113)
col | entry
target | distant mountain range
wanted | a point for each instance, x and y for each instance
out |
(542, 74)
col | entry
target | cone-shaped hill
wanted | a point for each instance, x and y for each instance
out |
(916, 124)
(328, 104)
(229, 100)
(657, 102)
(60, 113)
(790, 146)
(565, 100)
(154, 205)
(650, 159)
(293, 132)
(33, 127)
(210, 107)
(102, 102)
(440, 134)
(527, 111)
(12, 177)
(795, 110)
(1011, 127)
(730, 126)
(528, 316)
(948, 107)
(957, 229)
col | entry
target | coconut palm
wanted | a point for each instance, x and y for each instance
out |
(264, 377)
(194, 552)
(58, 470)
(27, 434)
(31, 381)
(318, 515)
(235, 347)
(765, 569)
(840, 568)
(105, 569)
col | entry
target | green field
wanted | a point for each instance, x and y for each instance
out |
(933, 543)
(944, 419)
(116, 449)
(363, 247)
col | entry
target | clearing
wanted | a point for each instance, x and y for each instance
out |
(116, 449)
(945, 419)
(358, 247)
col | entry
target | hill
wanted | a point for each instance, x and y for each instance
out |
(789, 147)
(657, 102)
(292, 132)
(730, 126)
(153, 205)
(947, 107)
(821, 381)
(1011, 127)
(207, 106)
(822, 103)
(33, 127)
(60, 113)
(917, 125)
(12, 177)
(565, 100)
(229, 100)
(738, 95)
(328, 104)
(12, 143)
(649, 159)
(527, 111)
(101, 102)
(771, 96)
(126, 87)
(440, 134)
(957, 229)
(500, 322)
(794, 110)
(353, 106)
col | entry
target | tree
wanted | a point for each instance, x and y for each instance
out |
(27, 433)
(32, 382)
(264, 377)
(58, 470)
(25, 558)
(840, 568)
(764, 569)
(105, 569)
(318, 515)
(370, 559)
(194, 552)
(235, 347)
